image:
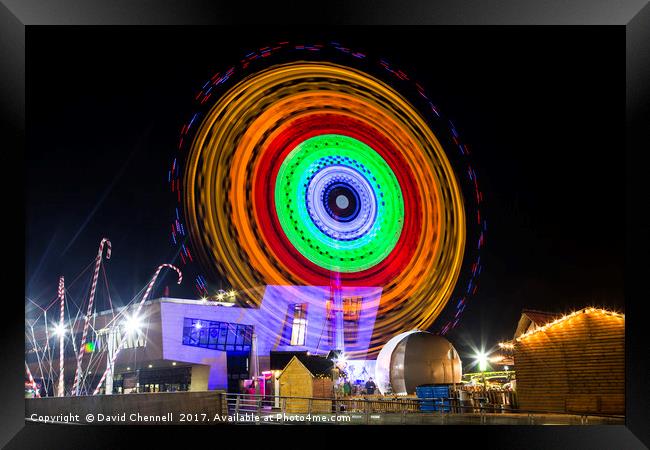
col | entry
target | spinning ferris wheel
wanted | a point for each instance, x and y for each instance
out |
(300, 169)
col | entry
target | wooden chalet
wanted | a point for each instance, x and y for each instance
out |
(307, 377)
(571, 363)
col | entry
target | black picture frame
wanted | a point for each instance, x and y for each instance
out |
(17, 15)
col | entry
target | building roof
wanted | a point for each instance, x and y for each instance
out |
(561, 318)
(279, 360)
(540, 318)
(317, 365)
(531, 318)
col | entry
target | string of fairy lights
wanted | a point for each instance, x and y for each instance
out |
(482, 357)
(560, 320)
(510, 345)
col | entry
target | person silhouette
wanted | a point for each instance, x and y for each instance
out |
(370, 386)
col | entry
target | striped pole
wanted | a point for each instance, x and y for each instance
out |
(61, 391)
(31, 381)
(77, 377)
(111, 365)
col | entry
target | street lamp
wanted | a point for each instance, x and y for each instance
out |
(132, 325)
(481, 359)
(59, 330)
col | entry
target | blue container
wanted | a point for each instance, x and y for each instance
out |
(436, 397)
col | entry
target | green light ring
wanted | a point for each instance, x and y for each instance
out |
(375, 165)
(344, 256)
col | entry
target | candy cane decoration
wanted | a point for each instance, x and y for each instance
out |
(77, 377)
(111, 364)
(31, 381)
(61, 332)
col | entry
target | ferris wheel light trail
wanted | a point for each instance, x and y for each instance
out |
(61, 333)
(326, 172)
(111, 359)
(382, 205)
(77, 376)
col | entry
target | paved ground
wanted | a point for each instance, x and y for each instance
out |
(443, 419)
(490, 419)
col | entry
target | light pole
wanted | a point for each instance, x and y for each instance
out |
(482, 360)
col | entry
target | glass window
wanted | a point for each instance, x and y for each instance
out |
(329, 317)
(351, 315)
(299, 324)
(217, 335)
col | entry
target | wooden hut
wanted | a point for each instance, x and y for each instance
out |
(305, 378)
(571, 363)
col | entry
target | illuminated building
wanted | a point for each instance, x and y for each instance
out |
(183, 344)
(572, 363)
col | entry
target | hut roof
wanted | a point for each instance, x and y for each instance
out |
(540, 318)
(279, 360)
(561, 318)
(532, 317)
(316, 365)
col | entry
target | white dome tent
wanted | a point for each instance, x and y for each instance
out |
(415, 358)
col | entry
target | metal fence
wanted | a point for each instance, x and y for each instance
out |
(283, 410)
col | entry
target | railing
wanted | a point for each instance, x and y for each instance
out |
(401, 410)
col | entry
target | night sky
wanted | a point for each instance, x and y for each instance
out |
(539, 107)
